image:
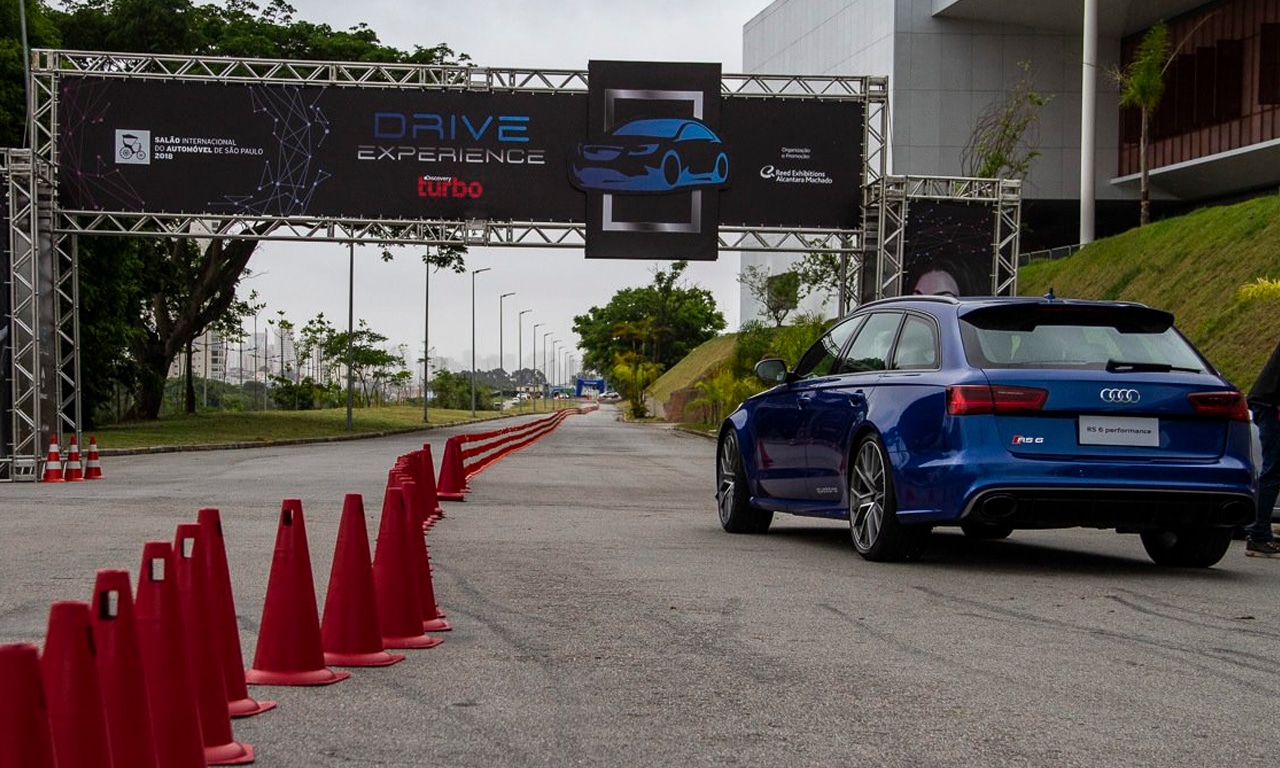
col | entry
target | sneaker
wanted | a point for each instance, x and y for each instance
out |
(1261, 548)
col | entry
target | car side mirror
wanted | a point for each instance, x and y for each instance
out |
(771, 371)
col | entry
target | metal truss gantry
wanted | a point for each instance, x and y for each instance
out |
(887, 207)
(44, 316)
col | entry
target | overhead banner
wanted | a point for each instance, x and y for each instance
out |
(653, 159)
(653, 162)
(270, 150)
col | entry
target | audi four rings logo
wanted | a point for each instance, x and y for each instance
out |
(1120, 395)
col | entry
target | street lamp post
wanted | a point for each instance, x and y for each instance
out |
(545, 390)
(502, 358)
(474, 272)
(534, 355)
(426, 337)
(555, 363)
(519, 346)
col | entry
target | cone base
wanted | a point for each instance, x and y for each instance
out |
(52, 480)
(323, 676)
(371, 659)
(452, 496)
(248, 707)
(233, 753)
(436, 625)
(417, 641)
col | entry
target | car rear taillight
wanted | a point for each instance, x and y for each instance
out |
(970, 399)
(1222, 405)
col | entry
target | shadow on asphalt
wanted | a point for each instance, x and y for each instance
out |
(948, 549)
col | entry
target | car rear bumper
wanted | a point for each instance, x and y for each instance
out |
(1125, 509)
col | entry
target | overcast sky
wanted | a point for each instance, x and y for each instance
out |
(555, 284)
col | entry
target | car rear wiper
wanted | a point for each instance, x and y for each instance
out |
(1135, 366)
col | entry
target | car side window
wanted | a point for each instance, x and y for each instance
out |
(695, 131)
(917, 346)
(821, 359)
(870, 348)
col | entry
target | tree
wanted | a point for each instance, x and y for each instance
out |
(779, 294)
(819, 272)
(1142, 86)
(165, 293)
(663, 321)
(41, 33)
(1002, 144)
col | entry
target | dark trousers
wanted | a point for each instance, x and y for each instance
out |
(1265, 416)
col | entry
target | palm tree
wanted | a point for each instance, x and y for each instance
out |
(1142, 86)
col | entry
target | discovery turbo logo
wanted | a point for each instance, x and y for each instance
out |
(448, 186)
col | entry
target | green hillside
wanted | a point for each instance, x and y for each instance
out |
(1191, 266)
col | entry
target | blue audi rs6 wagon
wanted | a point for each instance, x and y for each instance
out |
(995, 414)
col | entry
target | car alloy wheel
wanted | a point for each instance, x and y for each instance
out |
(873, 508)
(733, 503)
(868, 493)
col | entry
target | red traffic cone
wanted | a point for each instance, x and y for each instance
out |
(430, 490)
(74, 469)
(53, 464)
(189, 553)
(171, 686)
(453, 477)
(25, 741)
(289, 650)
(431, 621)
(93, 467)
(399, 610)
(350, 633)
(76, 717)
(223, 616)
(124, 685)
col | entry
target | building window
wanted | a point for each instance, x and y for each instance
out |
(1269, 64)
(1229, 97)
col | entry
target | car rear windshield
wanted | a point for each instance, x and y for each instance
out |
(1117, 338)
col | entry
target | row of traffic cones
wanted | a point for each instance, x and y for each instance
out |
(155, 683)
(90, 469)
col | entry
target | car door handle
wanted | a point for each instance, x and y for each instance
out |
(802, 401)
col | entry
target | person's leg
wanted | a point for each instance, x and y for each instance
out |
(1269, 476)
(1269, 481)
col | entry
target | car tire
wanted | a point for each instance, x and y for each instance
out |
(1187, 547)
(733, 502)
(877, 533)
(986, 531)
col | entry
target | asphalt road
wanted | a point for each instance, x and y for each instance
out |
(602, 618)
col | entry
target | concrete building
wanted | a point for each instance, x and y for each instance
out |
(1215, 137)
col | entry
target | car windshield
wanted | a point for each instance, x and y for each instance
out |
(1064, 336)
(657, 128)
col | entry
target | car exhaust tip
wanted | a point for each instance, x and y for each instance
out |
(999, 507)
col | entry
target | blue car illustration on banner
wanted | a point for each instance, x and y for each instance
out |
(651, 155)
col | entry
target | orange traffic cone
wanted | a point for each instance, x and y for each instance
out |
(74, 469)
(25, 741)
(223, 618)
(124, 687)
(76, 717)
(93, 468)
(399, 610)
(349, 632)
(289, 650)
(53, 464)
(171, 686)
(220, 746)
